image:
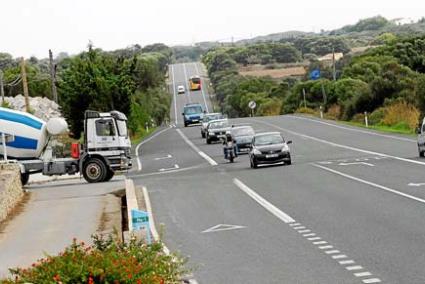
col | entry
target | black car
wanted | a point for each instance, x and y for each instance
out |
(269, 148)
(216, 129)
(243, 137)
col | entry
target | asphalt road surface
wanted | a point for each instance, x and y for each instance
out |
(350, 209)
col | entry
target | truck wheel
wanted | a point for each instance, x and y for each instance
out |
(94, 170)
(109, 175)
(25, 177)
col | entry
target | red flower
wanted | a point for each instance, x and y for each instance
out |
(129, 276)
(57, 278)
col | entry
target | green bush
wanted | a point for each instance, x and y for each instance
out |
(376, 116)
(106, 261)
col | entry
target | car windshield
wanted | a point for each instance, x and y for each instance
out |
(193, 110)
(219, 124)
(243, 131)
(210, 117)
(268, 140)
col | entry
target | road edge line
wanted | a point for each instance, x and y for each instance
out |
(340, 145)
(382, 187)
(139, 162)
(335, 125)
(263, 202)
(197, 150)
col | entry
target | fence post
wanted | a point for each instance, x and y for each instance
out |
(365, 119)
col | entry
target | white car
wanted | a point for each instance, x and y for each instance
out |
(180, 89)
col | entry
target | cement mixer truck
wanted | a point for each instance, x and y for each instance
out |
(27, 141)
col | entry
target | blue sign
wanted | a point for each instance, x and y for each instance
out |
(140, 220)
(315, 74)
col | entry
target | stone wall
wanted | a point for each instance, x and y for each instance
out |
(10, 189)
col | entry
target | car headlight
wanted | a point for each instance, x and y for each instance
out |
(256, 152)
(285, 148)
(211, 133)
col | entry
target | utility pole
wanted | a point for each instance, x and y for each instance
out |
(1, 87)
(333, 64)
(53, 77)
(25, 84)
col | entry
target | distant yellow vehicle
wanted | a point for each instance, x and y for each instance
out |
(195, 83)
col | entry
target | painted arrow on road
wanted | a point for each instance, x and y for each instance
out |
(416, 184)
(163, 158)
(356, 163)
(222, 227)
(170, 169)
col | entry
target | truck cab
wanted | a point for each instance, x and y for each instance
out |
(106, 147)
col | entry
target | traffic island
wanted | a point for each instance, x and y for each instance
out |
(11, 192)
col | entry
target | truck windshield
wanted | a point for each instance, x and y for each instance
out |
(122, 128)
(193, 110)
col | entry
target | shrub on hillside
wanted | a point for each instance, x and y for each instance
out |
(401, 112)
(107, 261)
(334, 112)
(306, 110)
(377, 116)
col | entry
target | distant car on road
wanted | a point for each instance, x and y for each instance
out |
(207, 118)
(180, 89)
(216, 129)
(192, 114)
(243, 137)
(269, 148)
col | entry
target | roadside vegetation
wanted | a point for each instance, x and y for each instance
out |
(108, 260)
(386, 80)
(131, 80)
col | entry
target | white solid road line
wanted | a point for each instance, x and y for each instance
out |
(151, 219)
(340, 145)
(176, 167)
(139, 162)
(202, 88)
(174, 93)
(354, 129)
(196, 149)
(263, 202)
(187, 83)
(371, 184)
(168, 172)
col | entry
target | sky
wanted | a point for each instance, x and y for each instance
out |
(31, 27)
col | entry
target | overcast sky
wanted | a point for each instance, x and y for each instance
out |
(31, 27)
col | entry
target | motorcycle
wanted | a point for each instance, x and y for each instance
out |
(229, 148)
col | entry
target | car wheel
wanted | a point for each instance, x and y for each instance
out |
(208, 140)
(289, 162)
(254, 164)
(421, 154)
(203, 134)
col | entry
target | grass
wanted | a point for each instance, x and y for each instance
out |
(139, 136)
(398, 128)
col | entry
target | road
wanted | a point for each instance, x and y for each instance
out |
(350, 209)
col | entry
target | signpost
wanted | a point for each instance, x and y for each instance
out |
(252, 105)
(140, 220)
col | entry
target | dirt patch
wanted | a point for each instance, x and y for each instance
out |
(110, 220)
(15, 212)
(275, 73)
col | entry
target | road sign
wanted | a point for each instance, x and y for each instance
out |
(140, 220)
(252, 104)
(315, 74)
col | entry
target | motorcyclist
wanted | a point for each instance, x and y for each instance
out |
(229, 142)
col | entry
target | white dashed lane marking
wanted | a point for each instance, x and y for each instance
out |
(328, 249)
(342, 259)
